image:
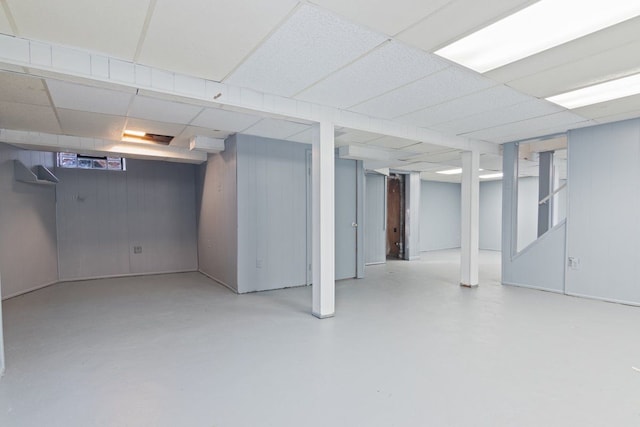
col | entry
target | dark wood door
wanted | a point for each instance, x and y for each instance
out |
(394, 221)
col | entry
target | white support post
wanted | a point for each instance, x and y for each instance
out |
(470, 219)
(323, 213)
(1, 334)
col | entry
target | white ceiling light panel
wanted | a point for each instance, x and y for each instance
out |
(543, 25)
(387, 68)
(310, 45)
(74, 96)
(215, 118)
(445, 85)
(162, 111)
(614, 89)
(157, 128)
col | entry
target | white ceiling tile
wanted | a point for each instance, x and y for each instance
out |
(215, 118)
(162, 111)
(23, 89)
(305, 137)
(307, 47)
(206, 38)
(438, 177)
(387, 68)
(489, 119)
(112, 27)
(5, 27)
(485, 100)
(423, 147)
(347, 136)
(447, 157)
(391, 142)
(458, 19)
(74, 96)
(158, 128)
(94, 125)
(445, 85)
(276, 129)
(387, 17)
(534, 127)
(35, 118)
(183, 139)
(615, 107)
(608, 65)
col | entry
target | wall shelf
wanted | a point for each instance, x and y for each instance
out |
(38, 175)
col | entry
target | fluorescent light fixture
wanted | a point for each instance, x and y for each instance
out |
(450, 171)
(491, 175)
(613, 89)
(541, 26)
(453, 171)
(137, 133)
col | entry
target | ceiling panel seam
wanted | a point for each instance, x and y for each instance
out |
(145, 27)
(264, 39)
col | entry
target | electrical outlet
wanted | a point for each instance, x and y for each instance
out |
(137, 249)
(574, 263)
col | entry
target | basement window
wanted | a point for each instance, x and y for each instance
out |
(79, 161)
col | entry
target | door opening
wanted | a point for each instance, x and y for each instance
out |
(395, 216)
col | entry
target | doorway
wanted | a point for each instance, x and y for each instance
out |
(395, 216)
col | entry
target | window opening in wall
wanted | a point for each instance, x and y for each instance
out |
(542, 179)
(79, 161)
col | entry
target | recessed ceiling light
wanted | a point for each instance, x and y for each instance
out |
(137, 133)
(541, 26)
(613, 89)
(491, 175)
(452, 171)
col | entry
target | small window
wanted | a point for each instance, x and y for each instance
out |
(79, 161)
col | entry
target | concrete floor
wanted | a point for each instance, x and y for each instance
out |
(408, 347)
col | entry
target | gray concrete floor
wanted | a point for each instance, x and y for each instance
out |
(408, 347)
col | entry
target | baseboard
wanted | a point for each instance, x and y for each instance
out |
(26, 291)
(218, 281)
(84, 279)
(537, 288)
(611, 300)
(376, 263)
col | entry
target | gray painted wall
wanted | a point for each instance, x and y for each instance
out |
(346, 215)
(272, 215)
(375, 226)
(490, 215)
(217, 212)
(527, 211)
(28, 256)
(603, 211)
(102, 215)
(439, 215)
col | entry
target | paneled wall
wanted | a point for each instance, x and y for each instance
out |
(375, 219)
(490, 215)
(272, 213)
(604, 211)
(217, 207)
(104, 215)
(28, 257)
(439, 215)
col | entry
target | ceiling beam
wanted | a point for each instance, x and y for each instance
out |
(49, 60)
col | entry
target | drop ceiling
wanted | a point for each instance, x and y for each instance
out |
(373, 58)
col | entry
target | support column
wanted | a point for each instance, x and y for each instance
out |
(545, 187)
(322, 217)
(470, 219)
(1, 334)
